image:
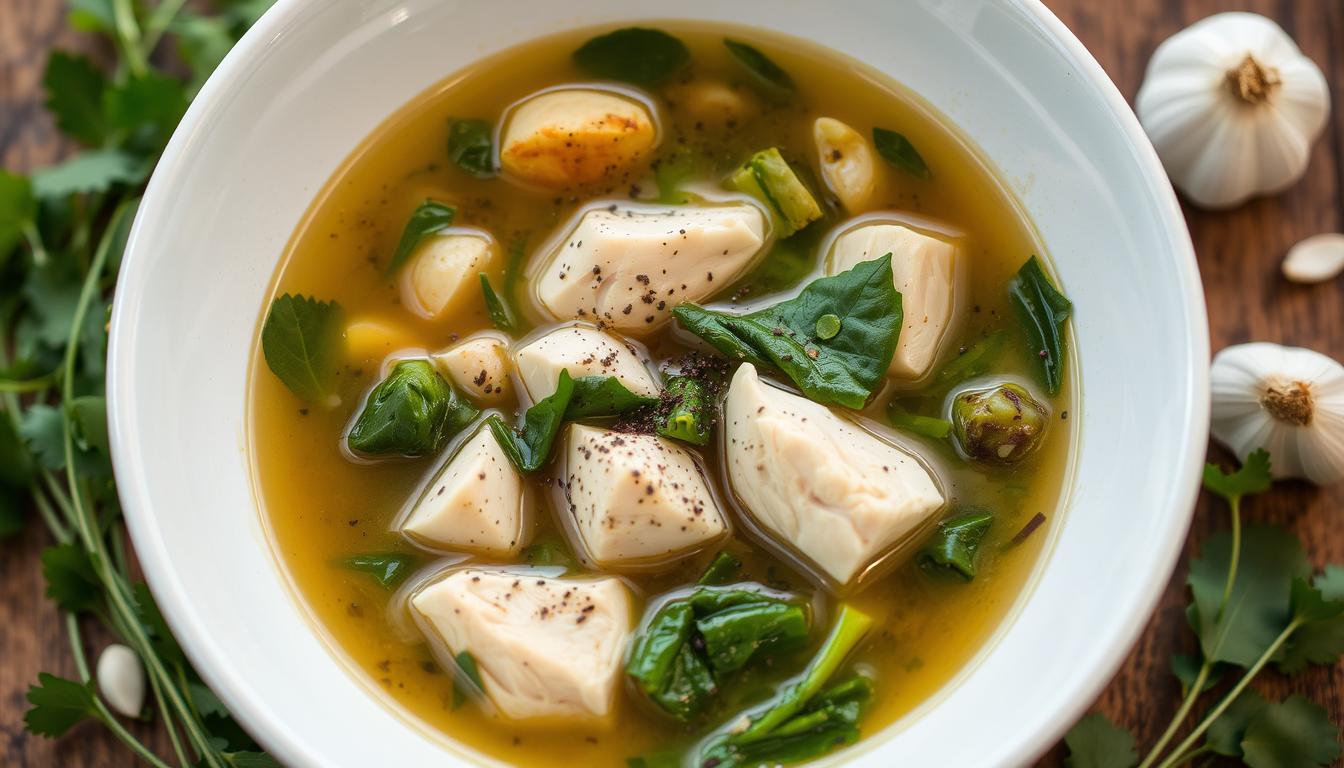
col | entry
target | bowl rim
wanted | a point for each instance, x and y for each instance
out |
(133, 486)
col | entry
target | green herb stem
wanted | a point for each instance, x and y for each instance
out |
(159, 20)
(156, 687)
(1235, 504)
(35, 244)
(1182, 713)
(28, 386)
(128, 37)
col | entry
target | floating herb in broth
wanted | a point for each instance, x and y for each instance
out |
(803, 689)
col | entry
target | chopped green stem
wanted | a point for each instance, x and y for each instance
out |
(1181, 714)
(1231, 696)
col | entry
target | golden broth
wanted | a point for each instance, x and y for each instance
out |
(322, 507)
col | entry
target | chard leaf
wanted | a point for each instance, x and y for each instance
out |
(1259, 606)
(410, 413)
(645, 57)
(71, 581)
(1253, 477)
(300, 342)
(1096, 742)
(471, 148)
(429, 218)
(75, 89)
(496, 308)
(1042, 311)
(896, 149)
(95, 170)
(1294, 732)
(955, 543)
(596, 396)
(57, 705)
(842, 370)
(530, 447)
(387, 568)
(767, 73)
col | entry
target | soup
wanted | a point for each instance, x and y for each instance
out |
(654, 396)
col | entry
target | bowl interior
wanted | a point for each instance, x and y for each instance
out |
(314, 78)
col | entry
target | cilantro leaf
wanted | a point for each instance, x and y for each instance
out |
(202, 42)
(18, 208)
(429, 218)
(1253, 477)
(58, 704)
(95, 170)
(1259, 606)
(1321, 639)
(146, 109)
(92, 15)
(16, 468)
(75, 89)
(1096, 742)
(43, 429)
(88, 420)
(1294, 732)
(300, 341)
(1186, 669)
(1225, 734)
(71, 581)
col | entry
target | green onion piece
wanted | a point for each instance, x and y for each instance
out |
(926, 426)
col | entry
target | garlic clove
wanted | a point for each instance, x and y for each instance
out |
(1287, 400)
(1316, 259)
(121, 680)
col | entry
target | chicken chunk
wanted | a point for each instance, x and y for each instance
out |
(443, 271)
(573, 136)
(583, 351)
(474, 503)
(478, 367)
(818, 483)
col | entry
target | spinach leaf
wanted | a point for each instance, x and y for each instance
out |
(734, 635)
(1096, 742)
(300, 342)
(957, 540)
(499, 312)
(687, 412)
(467, 679)
(429, 218)
(596, 396)
(721, 571)
(638, 55)
(767, 73)
(1042, 310)
(529, 447)
(844, 369)
(897, 150)
(410, 413)
(471, 148)
(387, 568)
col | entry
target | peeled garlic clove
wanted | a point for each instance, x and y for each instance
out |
(1287, 400)
(846, 163)
(121, 680)
(1315, 259)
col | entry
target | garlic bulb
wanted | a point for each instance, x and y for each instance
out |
(1316, 259)
(121, 680)
(1232, 107)
(1287, 400)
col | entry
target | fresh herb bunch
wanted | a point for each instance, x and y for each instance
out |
(62, 232)
(1255, 603)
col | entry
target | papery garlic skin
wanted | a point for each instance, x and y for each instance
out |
(1232, 107)
(121, 680)
(1287, 400)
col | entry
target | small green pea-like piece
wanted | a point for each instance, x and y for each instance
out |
(1001, 425)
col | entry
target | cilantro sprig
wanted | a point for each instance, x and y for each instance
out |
(1254, 603)
(62, 233)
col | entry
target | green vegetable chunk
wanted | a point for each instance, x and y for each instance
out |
(410, 413)
(721, 571)
(596, 396)
(926, 426)
(388, 568)
(732, 636)
(1002, 425)
(688, 410)
(638, 55)
(467, 683)
(767, 177)
(499, 312)
(844, 369)
(300, 341)
(582, 398)
(1042, 310)
(804, 719)
(957, 540)
(471, 148)
(974, 361)
(770, 76)
(897, 150)
(429, 218)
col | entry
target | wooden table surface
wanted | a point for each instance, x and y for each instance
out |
(1239, 254)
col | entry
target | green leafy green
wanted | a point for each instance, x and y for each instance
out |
(956, 541)
(471, 147)
(1096, 742)
(95, 170)
(429, 218)
(499, 312)
(467, 683)
(300, 341)
(18, 208)
(71, 581)
(58, 704)
(550, 550)
(43, 430)
(736, 634)
(769, 75)
(1185, 667)
(721, 571)
(896, 149)
(410, 413)
(645, 57)
(530, 447)
(1321, 639)
(596, 396)
(843, 370)
(671, 172)
(75, 89)
(1042, 310)
(387, 568)
(145, 109)
(767, 177)
(687, 411)
(975, 361)
(1253, 477)
(1295, 732)
(926, 426)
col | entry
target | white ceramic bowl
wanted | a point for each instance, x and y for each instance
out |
(315, 77)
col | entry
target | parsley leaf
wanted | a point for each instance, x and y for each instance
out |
(896, 149)
(146, 109)
(299, 341)
(251, 760)
(1253, 477)
(43, 428)
(96, 170)
(1096, 742)
(75, 89)
(1225, 734)
(387, 568)
(430, 217)
(1295, 732)
(92, 15)
(58, 704)
(71, 581)
(1185, 667)
(842, 370)
(1321, 639)
(160, 637)
(636, 55)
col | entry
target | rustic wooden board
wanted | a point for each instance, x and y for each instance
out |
(1238, 251)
